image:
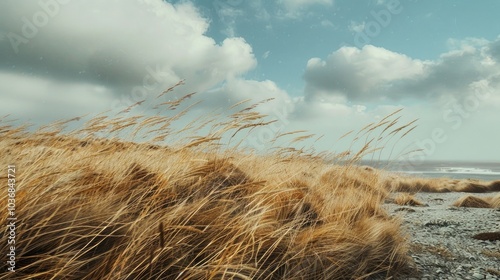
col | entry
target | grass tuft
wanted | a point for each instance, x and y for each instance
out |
(189, 203)
(405, 199)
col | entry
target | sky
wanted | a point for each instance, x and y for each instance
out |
(331, 66)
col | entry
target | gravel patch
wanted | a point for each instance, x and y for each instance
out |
(441, 237)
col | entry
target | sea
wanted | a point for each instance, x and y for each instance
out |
(487, 171)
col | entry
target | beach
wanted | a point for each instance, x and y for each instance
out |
(441, 237)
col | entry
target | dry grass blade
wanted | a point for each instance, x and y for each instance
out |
(259, 103)
(162, 235)
(398, 129)
(391, 114)
(240, 103)
(302, 138)
(289, 133)
(199, 141)
(252, 126)
(65, 122)
(345, 135)
(393, 122)
(170, 89)
(127, 110)
(108, 208)
(172, 105)
(409, 130)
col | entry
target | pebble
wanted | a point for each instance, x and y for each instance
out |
(478, 276)
(442, 236)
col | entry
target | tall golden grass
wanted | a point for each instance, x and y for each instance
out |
(104, 208)
(439, 185)
(478, 202)
(194, 207)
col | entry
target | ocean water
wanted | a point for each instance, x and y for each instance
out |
(488, 171)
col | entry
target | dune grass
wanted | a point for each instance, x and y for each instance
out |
(478, 202)
(406, 199)
(111, 210)
(104, 208)
(195, 207)
(439, 185)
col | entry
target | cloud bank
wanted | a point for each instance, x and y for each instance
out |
(376, 74)
(92, 56)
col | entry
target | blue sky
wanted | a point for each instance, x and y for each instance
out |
(331, 66)
(321, 28)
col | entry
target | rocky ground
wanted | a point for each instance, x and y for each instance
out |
(442, 240)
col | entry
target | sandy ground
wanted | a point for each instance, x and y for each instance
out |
(441, 237)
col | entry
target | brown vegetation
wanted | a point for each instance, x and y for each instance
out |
(478, 202)
(405, 199)
(439, 185)
(104, 208)
(95, 208)
(471, 201)
(492, 254)
(494, 201)
(139, 213)
(490, 236)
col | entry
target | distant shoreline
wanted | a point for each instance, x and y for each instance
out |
(458, 176)
(485, 171)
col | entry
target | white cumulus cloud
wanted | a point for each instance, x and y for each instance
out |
(127, 47)
(378, 74)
